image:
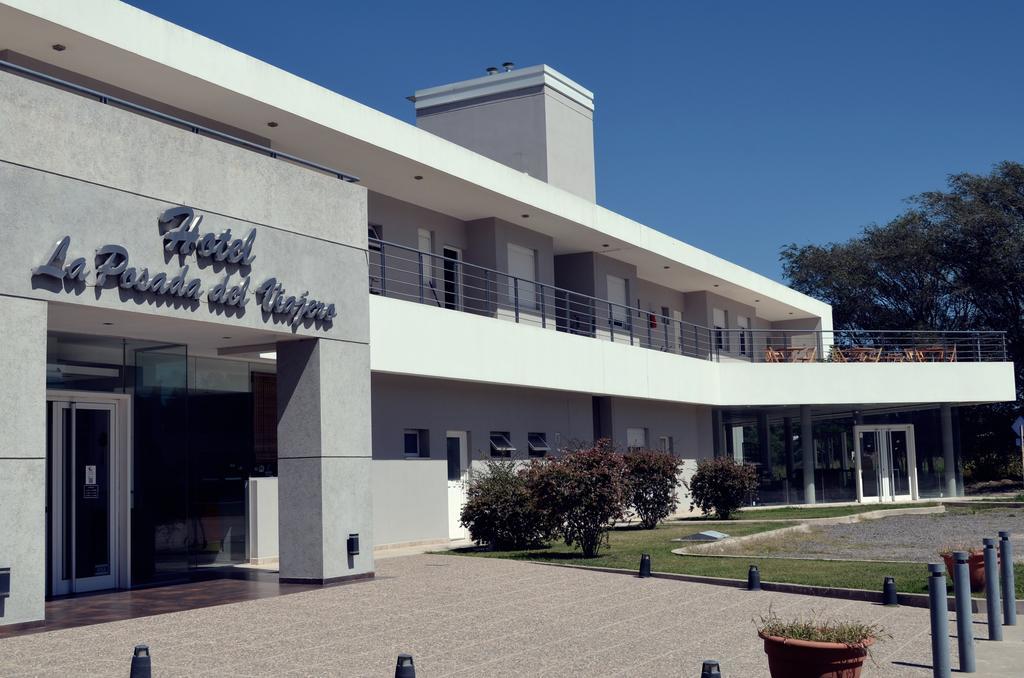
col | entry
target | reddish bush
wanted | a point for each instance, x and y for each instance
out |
(584, 491)
(652, 479)
(721, 486)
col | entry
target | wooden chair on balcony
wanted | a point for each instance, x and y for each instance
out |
(772, 356)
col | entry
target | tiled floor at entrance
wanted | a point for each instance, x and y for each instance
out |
(82, 610)
(468, 617)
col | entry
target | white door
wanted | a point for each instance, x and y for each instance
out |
(457, 448)
(886, 463)
(84, 506)
(636, 438)
(452, 290)
(522, 271)
(619, 316)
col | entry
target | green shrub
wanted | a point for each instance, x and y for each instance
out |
(584, 492)
(721, 486)
(500, 511)
(851, 633)
(652, 479)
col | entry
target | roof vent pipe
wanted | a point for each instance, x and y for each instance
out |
(508, 66)
(491, 70)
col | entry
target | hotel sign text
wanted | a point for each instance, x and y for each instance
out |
(183, 236)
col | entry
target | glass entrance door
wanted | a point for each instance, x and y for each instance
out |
(83, 508)
(886, 464)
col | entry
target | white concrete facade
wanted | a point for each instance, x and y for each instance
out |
(474, 304)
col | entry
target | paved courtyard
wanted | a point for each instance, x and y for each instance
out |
(467, 617)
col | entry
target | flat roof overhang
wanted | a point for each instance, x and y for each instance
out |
(135, 51)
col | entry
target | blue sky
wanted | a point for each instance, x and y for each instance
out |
(735, 126)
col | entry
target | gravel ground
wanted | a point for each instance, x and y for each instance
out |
(469, 617)
(914, 538)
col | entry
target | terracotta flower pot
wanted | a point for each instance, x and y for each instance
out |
(791, 658)
(975, 566)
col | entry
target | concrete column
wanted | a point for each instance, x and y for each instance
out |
(764, 444)
(807, 447)
(716, 432)
(787, 436)
(23, 457)
(324, 459)
(946, 422)
(737, 443)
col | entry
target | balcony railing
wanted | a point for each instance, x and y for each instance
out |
(402, 272)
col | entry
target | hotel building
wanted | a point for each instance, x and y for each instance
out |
(245, 317)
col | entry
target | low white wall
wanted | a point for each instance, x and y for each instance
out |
(261, 545)
(410, 501)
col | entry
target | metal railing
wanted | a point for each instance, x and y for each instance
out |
(402, 272)
(194, 127)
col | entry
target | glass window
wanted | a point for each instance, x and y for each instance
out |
(501, 444)
(538, 443)
(417, 442)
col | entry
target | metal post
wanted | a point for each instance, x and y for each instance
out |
(419, 258)
(611, 322)
(645, 565)
(404, 667)
(710, 669)
(753, 579)
(383, 273)
(964, 621)
(142, 663)
(629, 323)
(995, 629)
(889, 596)
(515, 288)
(938, 607)
(543, 320)
(650, 336)
(1009, 585)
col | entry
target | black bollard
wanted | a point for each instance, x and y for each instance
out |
(889, 593)
(939, 609)
(710, 669)
(645, 565)
(992, 611)
(753, 579)
(142, 663)
(404, 667)
(1009, 585)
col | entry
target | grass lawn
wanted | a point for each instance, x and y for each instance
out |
(627, 544)
(801, 513)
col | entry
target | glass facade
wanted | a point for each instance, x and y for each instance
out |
(201, 427)
(770, 439)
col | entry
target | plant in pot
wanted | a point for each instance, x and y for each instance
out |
(975, 563)
(816, 648)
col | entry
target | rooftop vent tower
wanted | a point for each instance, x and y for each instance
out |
(533, 119)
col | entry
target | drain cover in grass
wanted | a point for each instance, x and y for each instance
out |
(706, 535)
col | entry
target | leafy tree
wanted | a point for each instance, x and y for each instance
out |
(652, 478)
(500, 511)
(584, 491)
(721, 486)
(953, 261)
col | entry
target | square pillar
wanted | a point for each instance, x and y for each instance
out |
(948, 458)
(23, 458)
(324, 460)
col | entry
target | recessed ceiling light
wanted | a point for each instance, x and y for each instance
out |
(272, 124)
(225, 337)
(791, 313)
(604, 245)
(716, 285)
(757, 301)
(57, 47)
(664, 266)
(108, 323)
(418, 177)
(526, 216)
